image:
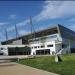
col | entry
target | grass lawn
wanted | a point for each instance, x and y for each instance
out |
(67, 67)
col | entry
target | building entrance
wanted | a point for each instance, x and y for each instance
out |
(43, 52)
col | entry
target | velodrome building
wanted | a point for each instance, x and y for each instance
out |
(56, 39)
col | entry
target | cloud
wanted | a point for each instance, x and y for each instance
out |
(3, 23)
(20, 24)
(72, 27)
(52, 10)
(2, 36)
(72, 20)
(12, 16)
(23, 23)
(56, 9)
(11, 28)
(23, 32)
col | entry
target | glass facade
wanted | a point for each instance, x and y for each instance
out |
(43, 52)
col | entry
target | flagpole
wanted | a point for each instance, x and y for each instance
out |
(16, 31)
(6, 35)
(32, 27)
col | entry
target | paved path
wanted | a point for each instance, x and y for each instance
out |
(16, 57)
(13, 68)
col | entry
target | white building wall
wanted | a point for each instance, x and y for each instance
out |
(5, 51)
(50, 40)
(4, 48)
(45, 44)
(17, 42)
(52, 49)
(54, 40)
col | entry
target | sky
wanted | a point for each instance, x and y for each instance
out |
(43, 13)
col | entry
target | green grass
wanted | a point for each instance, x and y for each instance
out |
(66, 67)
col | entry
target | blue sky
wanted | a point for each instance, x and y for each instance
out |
(43, 13)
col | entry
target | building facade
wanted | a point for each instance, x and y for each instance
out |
(56, 39)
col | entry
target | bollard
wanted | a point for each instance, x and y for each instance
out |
(57, 59)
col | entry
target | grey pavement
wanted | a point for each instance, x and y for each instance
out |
(12, 68)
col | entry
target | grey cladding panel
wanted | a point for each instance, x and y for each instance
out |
(65, 32)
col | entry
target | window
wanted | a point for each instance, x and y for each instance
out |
(52, 36)
(32, 47)
(43, 52)
(35, 46)
(24, 41)
(38, 46)
(1, 48)
(64, 46)
(42, 46)
(53, 52)
(1, 53)
(49, 45)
